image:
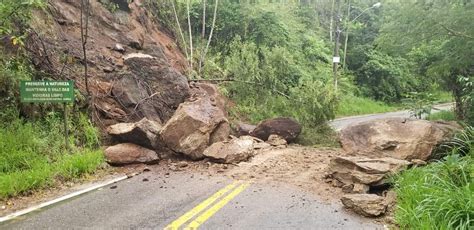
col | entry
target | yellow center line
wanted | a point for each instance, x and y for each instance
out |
(212, 210)
(200, 207)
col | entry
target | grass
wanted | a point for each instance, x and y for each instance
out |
(353, 105)
(442, 116)
(442, 97)
(438, 196)
(320, 136)
(42, 175)
(33, 156)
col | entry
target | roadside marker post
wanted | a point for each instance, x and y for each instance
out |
(49, 92)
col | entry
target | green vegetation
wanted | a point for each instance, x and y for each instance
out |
(277, 56)
(442, 116)
(434, 197)
(33, 153)
(440, 195)
(353, 105)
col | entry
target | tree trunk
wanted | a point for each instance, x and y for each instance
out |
(203, 34)
(347, 34)
(190, 35)
(180, 29)
(85, 11)
(203, 56)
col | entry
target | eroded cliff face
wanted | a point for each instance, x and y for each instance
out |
(135, 68)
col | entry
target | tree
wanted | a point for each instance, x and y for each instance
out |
(445, 26)
(85, 14)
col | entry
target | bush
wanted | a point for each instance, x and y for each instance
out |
(269, 83)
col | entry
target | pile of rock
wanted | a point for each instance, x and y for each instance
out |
(198, 129)
(377, 149)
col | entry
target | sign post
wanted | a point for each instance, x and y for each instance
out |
(49, 92)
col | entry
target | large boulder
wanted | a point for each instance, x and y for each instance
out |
(195, 126)
(145, 133)
(230, 152)
(150, 88)
(399, 138)
(363, 170)
(203, 90)
(368, 205)
(129, 153)
(286, 128)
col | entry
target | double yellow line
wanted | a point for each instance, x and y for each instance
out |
(231, 190)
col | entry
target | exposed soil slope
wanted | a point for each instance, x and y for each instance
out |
(56, 49)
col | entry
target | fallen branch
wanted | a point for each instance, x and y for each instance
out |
(456, 33)
(247, 82)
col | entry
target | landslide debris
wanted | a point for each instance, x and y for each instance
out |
(194, 126)
(378, 149)
(399, 138)
(128, 153)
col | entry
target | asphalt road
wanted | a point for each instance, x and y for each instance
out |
(187, 200)
(160, 200)
(340, 123)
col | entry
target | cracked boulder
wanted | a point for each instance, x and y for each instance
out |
(365, 171)
(145, 133)
(399, 138)
(195, 126)
(368, 205)
(128, 153)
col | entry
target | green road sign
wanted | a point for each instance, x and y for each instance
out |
(47, 91)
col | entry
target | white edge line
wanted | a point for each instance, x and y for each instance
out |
(57, 200)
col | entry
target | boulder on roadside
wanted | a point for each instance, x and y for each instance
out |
(195, 126)
(368, 205)
(363, 170)
(287, 128)
(145, 133)
(231, 152)
(129, 153)
(244, 129)
(399, 138)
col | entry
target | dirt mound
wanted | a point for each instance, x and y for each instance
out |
(154, 86)
(304, 167)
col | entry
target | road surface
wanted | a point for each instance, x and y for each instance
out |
(160, 201)
(188, 200)
(340, 123)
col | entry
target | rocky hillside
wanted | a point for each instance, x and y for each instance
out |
(135, 68)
